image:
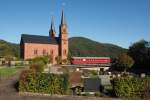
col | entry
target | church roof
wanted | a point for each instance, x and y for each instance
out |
(26, 38)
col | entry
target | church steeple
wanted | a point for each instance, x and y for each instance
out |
(63, 18)
(52, 31)
(63, 38)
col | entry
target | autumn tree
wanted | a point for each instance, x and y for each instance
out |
(124, 62)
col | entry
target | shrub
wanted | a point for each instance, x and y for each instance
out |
(146, 88)
(43, 83)
(25, 78)
(97, 94)
(44, 59)
(38, 63)
(37, 66)
(93, 72)
(128, 87)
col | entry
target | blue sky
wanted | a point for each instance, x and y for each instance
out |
(120, 22)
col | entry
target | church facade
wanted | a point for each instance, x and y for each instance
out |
(32, 46)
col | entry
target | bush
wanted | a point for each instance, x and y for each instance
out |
(37, 66)
(44, 59)
(97, 94)
(93, 72)
(128, 87)
(38, 63)
(43, 83)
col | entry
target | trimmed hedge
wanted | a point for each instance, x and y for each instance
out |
(43, 83)
(129, 87)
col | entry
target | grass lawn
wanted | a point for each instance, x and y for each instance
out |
(7, 71)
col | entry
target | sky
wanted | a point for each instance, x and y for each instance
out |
(120, 22)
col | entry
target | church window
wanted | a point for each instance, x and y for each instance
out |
(44, 52)
(64, 42)
(51, 52)
(35, 52)
(64, 52)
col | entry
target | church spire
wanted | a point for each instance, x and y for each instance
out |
(52, 31)
(63, 18)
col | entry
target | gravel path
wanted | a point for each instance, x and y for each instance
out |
(9, 92)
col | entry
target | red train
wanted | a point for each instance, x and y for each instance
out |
(90, 60)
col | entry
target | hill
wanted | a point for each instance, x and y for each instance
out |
(78, 46)
(8, 49)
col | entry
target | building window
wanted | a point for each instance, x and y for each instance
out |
(51, 52)
(64, 42)
(35, 52)
(44, 52)
(64, 52)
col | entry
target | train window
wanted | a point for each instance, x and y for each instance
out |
(84, 59)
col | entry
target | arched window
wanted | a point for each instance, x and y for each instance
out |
(51, 52)
(44, 52)
(35, 52)
(64, 52)
(65, 42)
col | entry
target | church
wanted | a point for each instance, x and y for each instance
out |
(54, 46)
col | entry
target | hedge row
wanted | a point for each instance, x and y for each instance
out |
(43, 83)
(127, 87)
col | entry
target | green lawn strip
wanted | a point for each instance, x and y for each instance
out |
(7, 71)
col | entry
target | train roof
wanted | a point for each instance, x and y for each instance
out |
(91, 57)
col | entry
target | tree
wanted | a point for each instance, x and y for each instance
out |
(58, 60)
(124, 61)
(9, 58)
(39, 63)
(44, 59)
(64, 61)
(140, 52)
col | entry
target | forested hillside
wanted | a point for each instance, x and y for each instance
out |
(80, 46)
(8, 49)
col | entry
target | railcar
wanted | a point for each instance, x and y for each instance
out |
(90, 60)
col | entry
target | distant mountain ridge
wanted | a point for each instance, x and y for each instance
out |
(78, 46)
(9, 49)
(81, 46)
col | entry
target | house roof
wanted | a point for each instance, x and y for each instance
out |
(75, 79)
(91, 84)
(26, 38)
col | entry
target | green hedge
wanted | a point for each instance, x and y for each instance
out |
(129, 87)
(43, 83)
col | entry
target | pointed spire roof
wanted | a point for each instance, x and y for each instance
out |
(63, 18)
(52, 28)
(52, 24)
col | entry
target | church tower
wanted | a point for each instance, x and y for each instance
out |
(52, 31)
(63, 38)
